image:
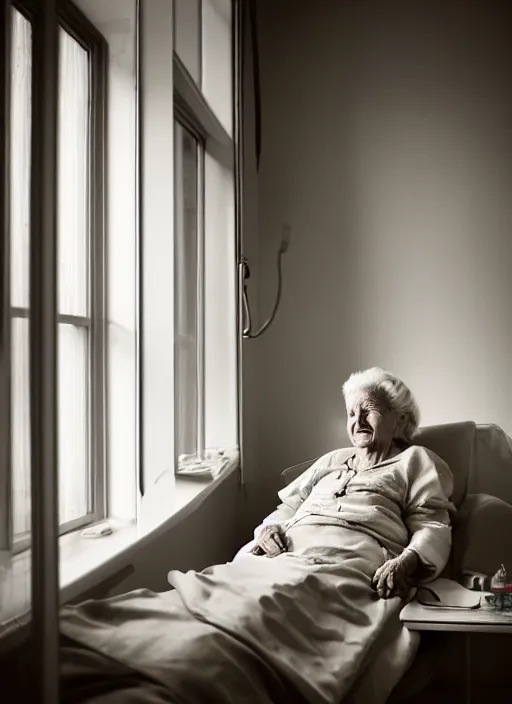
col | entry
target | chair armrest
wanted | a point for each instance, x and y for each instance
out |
(481, 535)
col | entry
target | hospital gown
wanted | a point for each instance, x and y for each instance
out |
(400, 502)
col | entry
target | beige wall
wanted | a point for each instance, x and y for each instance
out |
(251, 348)
(387, 144)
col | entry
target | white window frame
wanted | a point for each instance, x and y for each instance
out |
(169, 93)
(72, 20)
(193, 112)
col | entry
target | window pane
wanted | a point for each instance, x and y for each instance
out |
(185, 272)
(73, 220)
(216, 80)
(20, 427)
(220, 329)
(21, 91)
(74, 493)
(187, 35)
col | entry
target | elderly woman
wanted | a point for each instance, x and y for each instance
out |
(385, 486)
(319, 622)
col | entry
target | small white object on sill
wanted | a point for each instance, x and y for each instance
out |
(97, 530)
(208, 467)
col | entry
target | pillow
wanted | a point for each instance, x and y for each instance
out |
(481, 535)
(454, 443)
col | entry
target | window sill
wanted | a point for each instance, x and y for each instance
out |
(87, 563)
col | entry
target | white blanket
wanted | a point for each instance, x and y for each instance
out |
(305, 626)
(255, 630)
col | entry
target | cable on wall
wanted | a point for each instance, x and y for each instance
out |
(245, 273)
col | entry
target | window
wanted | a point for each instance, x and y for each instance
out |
(188, 303)
(186, 375)
(204, 312)
(20, 144)
(188, 308)
(80, 270)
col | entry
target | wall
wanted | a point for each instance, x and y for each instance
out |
(250, 348)
(387, 146)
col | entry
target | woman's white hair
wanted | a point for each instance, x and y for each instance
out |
(397, 394)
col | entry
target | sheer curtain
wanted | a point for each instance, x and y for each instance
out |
(73, 276)
(21, 78)
(73, 229)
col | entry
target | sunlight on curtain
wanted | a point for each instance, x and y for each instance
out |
(20, 426)
(73, 274)
(74, 494)
(21, 77)
(72, 216)
(21, 92)
(73, 290)
(185, 292)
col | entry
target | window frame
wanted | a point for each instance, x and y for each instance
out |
(186, 119)
(162, 93)
(193, 113)
(74, 22)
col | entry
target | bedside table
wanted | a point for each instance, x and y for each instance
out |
(417, 617)
(485, 619)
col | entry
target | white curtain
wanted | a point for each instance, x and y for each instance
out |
(73, 229)
(21, 77)
(73, 275)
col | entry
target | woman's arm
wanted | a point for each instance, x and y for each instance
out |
(269, 538)
(427, 513)
(279, 517)
(427, 517)
(292, 496)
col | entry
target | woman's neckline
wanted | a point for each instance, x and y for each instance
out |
(350, 460)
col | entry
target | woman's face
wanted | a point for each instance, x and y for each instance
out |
(370, 423)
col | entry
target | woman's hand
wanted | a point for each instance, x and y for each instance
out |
(270, 542)
(394, 578)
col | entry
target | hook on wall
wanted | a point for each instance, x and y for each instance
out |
(244, 275)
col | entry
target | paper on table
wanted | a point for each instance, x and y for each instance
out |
(447, 594)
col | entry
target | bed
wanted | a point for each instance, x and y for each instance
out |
(238, 632)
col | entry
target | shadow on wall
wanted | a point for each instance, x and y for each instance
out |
(387, 146)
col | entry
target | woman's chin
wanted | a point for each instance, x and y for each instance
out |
(363, 440)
